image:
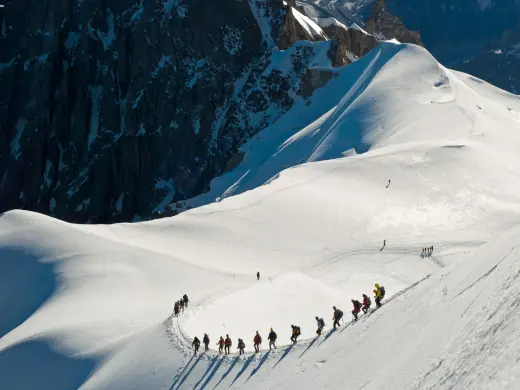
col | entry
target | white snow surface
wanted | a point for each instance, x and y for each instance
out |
(330, 21)
(90, 306)
(355, 26)
(308, 24)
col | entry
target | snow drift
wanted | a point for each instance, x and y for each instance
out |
(91, 306)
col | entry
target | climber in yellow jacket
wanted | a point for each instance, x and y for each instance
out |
(379, 293)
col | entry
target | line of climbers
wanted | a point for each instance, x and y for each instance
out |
(224, 345)
(180, 305)
(427, 252)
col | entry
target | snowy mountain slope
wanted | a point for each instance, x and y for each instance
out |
(90, 306)
(455, 329)
(415, 104)
(308, 24)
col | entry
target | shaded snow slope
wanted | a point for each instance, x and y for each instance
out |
(90, 306)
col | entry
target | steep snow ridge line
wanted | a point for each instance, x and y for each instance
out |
(326, 22)
(486, 274)
(342, 108)
(308, 24)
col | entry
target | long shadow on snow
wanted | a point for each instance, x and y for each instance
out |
(244, 368)
(262, 361)
(328, 335)
(284, 354)
(212, 373)
(23, 276)
(188, 373)
(178, 376)
(34, 364)
(347, 325)
(208, 370)
(310, 345)
(235, 360)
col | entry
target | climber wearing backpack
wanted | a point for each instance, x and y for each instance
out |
(272, 339)
(357, 308)
(380, 292)
(295, 333)
(181, 304)
(176, 309)
(321, 325)
(257, 341)
(205, 340)
(227, 344)
(196, 344)
(366, 303)
(220, 345)
(241, 346)
(338, 314)
(185, 300)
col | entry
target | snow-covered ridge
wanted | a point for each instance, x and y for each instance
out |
(394, 148)
(326, 22)
(364, 109)
(308, 24)
(355, 26)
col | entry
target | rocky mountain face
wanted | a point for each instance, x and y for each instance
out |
(498, 63)
(111, 111)
(389, 26)
(453, 30)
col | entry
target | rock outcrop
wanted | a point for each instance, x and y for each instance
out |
(498, 63)
(384, 25)
(111, 112)
(347, 45)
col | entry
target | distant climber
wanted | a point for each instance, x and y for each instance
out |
(272, 339)
(295, 333)
(181, 304)
(241, 346)
(384, 244)
(205, 340)
(227, 344)
(388, 185)
(257, 341)
(321, 325)
(366, 303)
(185, 300)
(357, 308)
(220, 345)
(258, 275)
(431, 250)
(176, 309)
(196, 344)
(338, 314)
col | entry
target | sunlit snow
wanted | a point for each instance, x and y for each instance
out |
(394, 148)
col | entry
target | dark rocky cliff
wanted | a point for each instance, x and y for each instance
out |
(498, 63)
(389, 26)
(110, 111)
